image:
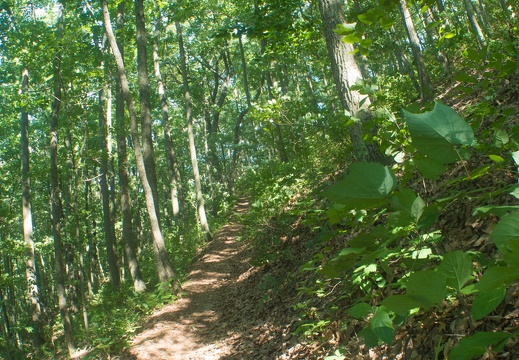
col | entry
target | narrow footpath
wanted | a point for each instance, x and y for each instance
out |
(192, 327)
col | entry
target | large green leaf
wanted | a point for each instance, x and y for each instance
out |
(400, 304)
(496, 277)
(360, 310)
(382, 326)
(434, 133)
(457, 268)
(409, 207)
(429, 168)
(366, 186)
(506, 235)
(427, 287)
(486, 301)
(476, 345)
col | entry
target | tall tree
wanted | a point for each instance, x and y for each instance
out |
(128, 233)
(55, 197)
(192, 148)
(109, 229)
(27, 226)
(145, 102)
(346, 72)
(426, 89)
(173, 172)
(474, 24)
(162, 263)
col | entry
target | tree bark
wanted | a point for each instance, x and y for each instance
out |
(56, 208)
(128, 235)
(145, 103)
(345, 70)
(162, 263)
(111, 248)
(173, 171)
(474, 24)
(30, 264)
(426, 89)
(192, 148)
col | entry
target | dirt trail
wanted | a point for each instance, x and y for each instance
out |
(192, 327)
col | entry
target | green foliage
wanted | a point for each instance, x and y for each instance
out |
(366, 186)
(435, 135)
(476, 345)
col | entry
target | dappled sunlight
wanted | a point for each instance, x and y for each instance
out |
(191, 327)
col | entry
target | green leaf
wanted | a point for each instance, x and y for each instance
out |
(360, 310)
(507, 229)
(370, 239)
(429, 217)
(427, 287)
(501, 138)
(366, 18)
(496, 277)
(497, 159)
(342, 262)
(409, 206)
(457, 268)
(351, 38)
(449, 35)
(400, 304)
(435, 133)
(366, 186)
(370, 339)
(476, 345)
(382, 326)
(486, 302)
(500, 211)
(343, 29)
(510, 252)
(429, 168)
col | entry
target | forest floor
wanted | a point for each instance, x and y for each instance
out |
(217, 315)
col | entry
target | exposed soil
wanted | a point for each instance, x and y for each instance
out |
(196, 326)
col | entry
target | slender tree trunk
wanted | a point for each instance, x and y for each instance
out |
(145, 103)
(111, 248)
(56, 209)
(191, 136)
(426, 89)
(124, 185)
(162, 263)
(30, 264)
(81, 284)
(173, 171)
(474, 24)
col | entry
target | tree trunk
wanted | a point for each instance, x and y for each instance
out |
(173, 171)
(30, 264)
(124, 188)
(162, 263)
(145, 103)
(56, 209)
(474, 24)
(111, 247)
(192, 149)
(426, 89)
(345, 70)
